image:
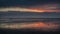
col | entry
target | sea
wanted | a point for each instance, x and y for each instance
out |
(16, 17)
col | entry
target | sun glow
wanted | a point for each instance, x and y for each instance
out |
(26, 10)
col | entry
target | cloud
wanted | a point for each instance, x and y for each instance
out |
(26, 9)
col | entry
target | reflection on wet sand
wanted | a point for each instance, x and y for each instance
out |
(36, 25)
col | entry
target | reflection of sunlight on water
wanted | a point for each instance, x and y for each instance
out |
(36, 25)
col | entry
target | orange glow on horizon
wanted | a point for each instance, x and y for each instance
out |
(45, 10)
(26, 10)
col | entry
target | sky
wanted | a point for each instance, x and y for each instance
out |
(30, 3)
(25, 3)
(30, 6)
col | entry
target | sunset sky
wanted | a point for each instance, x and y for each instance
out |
(29, 9)
(30, 5)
